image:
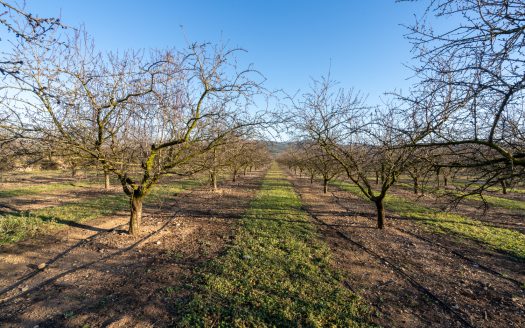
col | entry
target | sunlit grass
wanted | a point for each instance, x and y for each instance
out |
(501, 202)
(494, 201)
(18, 226)
(35, 189)
(277, 273)
(507, 240)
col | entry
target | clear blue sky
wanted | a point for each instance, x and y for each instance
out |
(288, 41)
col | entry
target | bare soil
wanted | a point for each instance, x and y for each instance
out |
(96, 275)
(413, 277)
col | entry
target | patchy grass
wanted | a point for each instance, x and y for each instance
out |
(15, 227)
(36, 189)
(162, 192)
(18, 226)
(507, 240)
(277, 272)
(510, 204)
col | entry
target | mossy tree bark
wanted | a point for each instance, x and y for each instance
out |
(135, 219)
(106, 180)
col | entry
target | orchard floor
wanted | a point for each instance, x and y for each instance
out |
(415, 278)
(98, 276)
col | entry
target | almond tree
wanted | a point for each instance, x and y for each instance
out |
(140, 117)
(357, 137)
(17, 25)
(241, 154)
(481, 123)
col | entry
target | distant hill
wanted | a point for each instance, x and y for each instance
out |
(277, 147)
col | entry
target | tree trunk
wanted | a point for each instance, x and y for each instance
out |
(213, 178)
(311, 178)
(504, 186)
(380, 213)
(244, 173)
(416, 185)
(136, 213)
(325, 186)
(445, 181)
(106, 180)
(377, 177)
(73, 171)
(234, 175)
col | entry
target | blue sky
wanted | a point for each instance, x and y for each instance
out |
(288, 41)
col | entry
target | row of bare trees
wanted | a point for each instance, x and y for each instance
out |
(464, 115)
(136, 115)
(470, 88)
(349, 137)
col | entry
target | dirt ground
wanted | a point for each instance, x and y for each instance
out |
(98, 276)
(415, 278)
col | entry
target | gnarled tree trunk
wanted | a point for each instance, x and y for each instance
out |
(106, 180)
(136, 212)
(325, 186)
(213, 180)
(380, 212)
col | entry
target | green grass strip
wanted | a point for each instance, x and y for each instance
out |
(276, 274)
(510, 204)
(507, 240)
(495, 201)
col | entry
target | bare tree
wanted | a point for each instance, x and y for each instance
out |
(19, 25)
(356, 136)
(479, 123)
(139, 118)
(316, 162)
(241, 154)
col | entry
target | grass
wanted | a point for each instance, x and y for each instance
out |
(277, 272)
(510, 204)
(19, 226)
(494, 201)
(501, 239)
(36, 189)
